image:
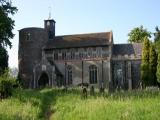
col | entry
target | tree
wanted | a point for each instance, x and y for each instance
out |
(157, 44)
(6, 27)
(152, 64)
(157, 34)
(145, 62)
(7, 83)
(6, 22)
(3, 59)
(157, 38)
(158, 68)
(138, 34)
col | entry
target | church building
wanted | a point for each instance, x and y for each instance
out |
(90, 59)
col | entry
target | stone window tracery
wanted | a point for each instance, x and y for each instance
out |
(93, 74)
(69, 74)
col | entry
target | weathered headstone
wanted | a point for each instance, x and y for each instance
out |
(92, 92)
(84, 92)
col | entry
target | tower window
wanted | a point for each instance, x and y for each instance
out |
(28, 36)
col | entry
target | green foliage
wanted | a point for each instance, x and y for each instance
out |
(157, 38)
(20, 81)
(6, 22)
(6, 85)
(56, 104)
(157, 44)
(157, 34)
(3, 60)
(145, 62)
(158, 68)
(152, 64)
(6, 27)
(138, 34)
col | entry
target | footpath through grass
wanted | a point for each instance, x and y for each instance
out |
(56, 104)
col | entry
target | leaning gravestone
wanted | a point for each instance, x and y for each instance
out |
(84, 92)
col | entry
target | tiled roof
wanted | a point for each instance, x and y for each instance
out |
(122, 49)
(80, 40)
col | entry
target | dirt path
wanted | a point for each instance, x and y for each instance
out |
(49, 113)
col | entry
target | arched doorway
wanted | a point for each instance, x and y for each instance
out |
(43, 80)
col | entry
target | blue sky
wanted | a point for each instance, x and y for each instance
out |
(85, 16)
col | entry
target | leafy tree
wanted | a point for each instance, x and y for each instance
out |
(6, 27)
(158, 68)
(145, 62)
(157, 38)
(6, 22)
(157, 34)
(157, 44)
(152, 64)
(3, 59)
(138, 34)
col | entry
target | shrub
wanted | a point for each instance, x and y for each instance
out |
(7, 83)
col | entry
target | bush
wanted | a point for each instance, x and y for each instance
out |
(7, 83)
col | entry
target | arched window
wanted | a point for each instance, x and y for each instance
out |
(92, 74)
(69, 74)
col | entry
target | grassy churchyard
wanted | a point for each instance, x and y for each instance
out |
(57, 104)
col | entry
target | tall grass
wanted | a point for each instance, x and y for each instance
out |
(131, 105)
(56, 104)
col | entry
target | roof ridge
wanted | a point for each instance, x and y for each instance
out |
(127, 43)
(31, 28)
(83, 34)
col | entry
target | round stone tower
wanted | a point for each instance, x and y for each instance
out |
(31, 42)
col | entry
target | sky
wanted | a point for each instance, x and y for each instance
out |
(85, 16)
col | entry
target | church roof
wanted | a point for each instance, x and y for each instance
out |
(80, 40)
(122, 49)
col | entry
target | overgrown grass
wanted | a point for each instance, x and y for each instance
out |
(56, 104)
